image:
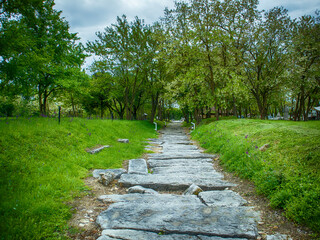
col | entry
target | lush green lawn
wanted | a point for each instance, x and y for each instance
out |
(42, 165)
(288, 172)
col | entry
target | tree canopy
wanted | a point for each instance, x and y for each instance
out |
(207, 57)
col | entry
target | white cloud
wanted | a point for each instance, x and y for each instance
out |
(296, 8)
(86, 17)
(89, 16)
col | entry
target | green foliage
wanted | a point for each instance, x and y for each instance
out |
(288, 172)
(42, 165)
(39, 55)
(6, 108)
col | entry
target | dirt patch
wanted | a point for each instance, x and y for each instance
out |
(88, 208)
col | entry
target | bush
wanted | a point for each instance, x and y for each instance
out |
(6, 109)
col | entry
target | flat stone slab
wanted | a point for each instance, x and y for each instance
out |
(205, 162)
(183, 155)
(226, 198)
(128, 234)
(187, 170)
(179, 147)
(174, 181)
(99, 149)
(138, 166)
(145, 199)
(190, 219)
(117, 172)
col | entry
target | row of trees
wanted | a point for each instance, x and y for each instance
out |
(229, 55)
(207, 56)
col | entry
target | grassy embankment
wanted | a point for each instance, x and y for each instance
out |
(42, 165)
(288, 172)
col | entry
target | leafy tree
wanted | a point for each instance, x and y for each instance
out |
(266, 55)
(127, 51)
(39, 52)
(305, 65)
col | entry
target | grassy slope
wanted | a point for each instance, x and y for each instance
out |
(288, 172)
(42, 164)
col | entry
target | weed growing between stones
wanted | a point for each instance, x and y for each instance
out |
(288, 172)
(42, 165)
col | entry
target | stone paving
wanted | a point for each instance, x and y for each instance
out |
(215, 213)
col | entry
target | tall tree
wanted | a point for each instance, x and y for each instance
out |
(305, 65)
(266, 56)
(46, 53)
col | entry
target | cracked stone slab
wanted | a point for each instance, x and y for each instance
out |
(205, 162)
(129, 234)
(226, 198)
(179, 147)
(187, 219)
(187, 170)
(186, 155)
(174, 181)
(118, 172)
(138, 166)
(150, 199)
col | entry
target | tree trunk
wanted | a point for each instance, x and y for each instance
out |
(155, 102)
(234, 107)
(216, 112)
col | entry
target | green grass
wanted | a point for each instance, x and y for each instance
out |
(42, 165)
(288, 172)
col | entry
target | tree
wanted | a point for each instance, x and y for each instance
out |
(305, 65)
(265, 56)
(43, 55)
(127, 51)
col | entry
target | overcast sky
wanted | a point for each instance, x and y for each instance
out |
(86, 17)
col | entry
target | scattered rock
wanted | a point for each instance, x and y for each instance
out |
(264, 147)
(96, 149)
(142, 190)
(117, 172)
(106, 178)
(138, 166)
(226, 198)
(123, 140)
(278, 237)
(193, 190)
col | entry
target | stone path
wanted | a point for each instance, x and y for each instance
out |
(216, 213)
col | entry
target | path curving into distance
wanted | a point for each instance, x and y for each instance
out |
(214, 214)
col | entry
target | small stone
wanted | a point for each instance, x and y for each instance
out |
(278, 236)
(90, 211)
(260, 223)
(193, 190)
(118, 172)
(138, 166)
(96, 150)
(91, 220)
(81, 225)
(123, 140)
(142, 190)
(264, 147)
(106, 178)
(84, 221)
